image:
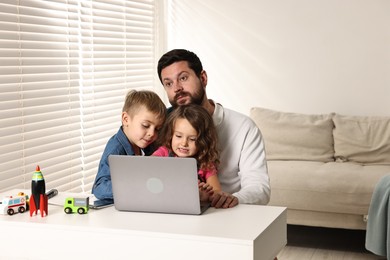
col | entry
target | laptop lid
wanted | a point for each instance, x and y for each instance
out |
(155, 184)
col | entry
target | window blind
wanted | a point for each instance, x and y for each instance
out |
(65, 68)
(118, 54)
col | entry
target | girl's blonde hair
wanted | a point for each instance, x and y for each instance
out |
(206, 141)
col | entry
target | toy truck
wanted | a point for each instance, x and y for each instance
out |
(10, 205)
(79, 205)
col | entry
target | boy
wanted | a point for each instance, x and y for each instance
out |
(142, 116)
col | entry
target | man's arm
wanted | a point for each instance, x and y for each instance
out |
(255, 186)
(252, 170)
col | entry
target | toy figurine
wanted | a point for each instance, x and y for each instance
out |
(38, 199)
(79, 205)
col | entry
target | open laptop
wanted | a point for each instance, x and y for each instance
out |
(155, 184)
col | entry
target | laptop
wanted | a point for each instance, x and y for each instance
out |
(155, 184)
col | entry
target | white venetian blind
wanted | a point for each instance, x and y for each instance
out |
(65, 67)
(117, 55)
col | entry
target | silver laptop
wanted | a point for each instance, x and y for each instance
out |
(155, 184)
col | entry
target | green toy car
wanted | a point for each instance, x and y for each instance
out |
(79, 205)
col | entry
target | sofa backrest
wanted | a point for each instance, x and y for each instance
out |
(362, 139)
(324, 138)
(292, 136)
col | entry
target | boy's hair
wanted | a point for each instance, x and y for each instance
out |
(206, 141)
(135, 100)
(180, 55)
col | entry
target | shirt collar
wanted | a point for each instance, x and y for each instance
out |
(218, 113)
(125, 142)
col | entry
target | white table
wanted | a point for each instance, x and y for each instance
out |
(243, 232)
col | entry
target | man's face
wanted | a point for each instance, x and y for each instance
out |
(182, 85)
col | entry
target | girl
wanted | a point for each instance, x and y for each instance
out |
(190, 132)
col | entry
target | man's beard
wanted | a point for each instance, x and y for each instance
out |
(197, 98)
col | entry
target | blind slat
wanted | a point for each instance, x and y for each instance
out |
(65, 68)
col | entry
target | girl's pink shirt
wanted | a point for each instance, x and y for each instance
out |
(163, 151)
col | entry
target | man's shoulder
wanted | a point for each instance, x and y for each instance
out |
(235, 117)
(234, 112)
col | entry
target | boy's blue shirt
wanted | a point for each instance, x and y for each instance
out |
(117, 145)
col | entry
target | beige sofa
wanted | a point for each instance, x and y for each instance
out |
(324, 168)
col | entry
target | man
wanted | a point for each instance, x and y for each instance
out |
(243, 170)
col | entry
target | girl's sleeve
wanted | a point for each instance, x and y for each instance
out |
(205, 174)
(162, 151)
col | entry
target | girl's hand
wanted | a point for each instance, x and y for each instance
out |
(205, 191)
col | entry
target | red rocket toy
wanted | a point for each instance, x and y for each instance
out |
(38, 199)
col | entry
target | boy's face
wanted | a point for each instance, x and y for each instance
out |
(184, 139)
(142, 128)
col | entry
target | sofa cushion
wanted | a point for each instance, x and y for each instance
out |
(325, 187)
(293, 136)
(362, 139)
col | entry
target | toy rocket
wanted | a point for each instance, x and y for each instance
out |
(38, 199)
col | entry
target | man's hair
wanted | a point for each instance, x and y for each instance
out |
(135, 100)
(180, 55)
(206, 141)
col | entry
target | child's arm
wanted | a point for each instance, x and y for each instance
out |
(102, 188)
(219, 199)
(214, 182)
(211, 177)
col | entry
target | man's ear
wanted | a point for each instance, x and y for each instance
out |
(203, 78)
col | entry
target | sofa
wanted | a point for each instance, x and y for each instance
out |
(324, 167)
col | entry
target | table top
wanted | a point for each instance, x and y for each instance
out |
(241, 224)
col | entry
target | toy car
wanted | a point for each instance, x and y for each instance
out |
(79, 205)
(13, 204)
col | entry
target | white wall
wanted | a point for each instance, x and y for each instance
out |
(300, 56)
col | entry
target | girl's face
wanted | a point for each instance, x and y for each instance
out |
(142, 128)
(184, 139)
